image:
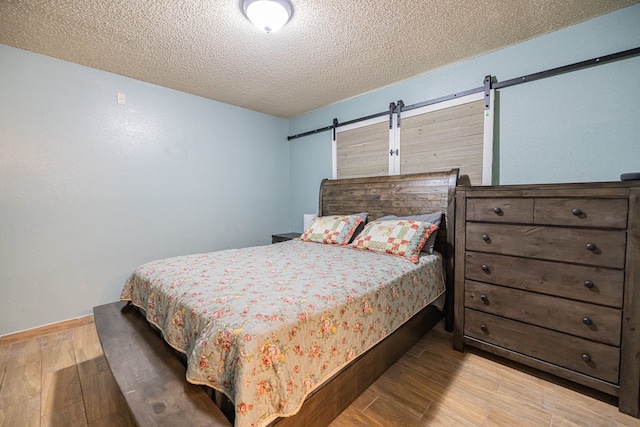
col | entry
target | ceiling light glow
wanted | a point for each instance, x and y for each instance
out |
(268, 15)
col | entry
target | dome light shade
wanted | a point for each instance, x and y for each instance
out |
(268, 15)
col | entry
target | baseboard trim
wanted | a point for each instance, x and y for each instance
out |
(46, 329)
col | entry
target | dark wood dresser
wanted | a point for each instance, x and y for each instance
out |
(549, 276)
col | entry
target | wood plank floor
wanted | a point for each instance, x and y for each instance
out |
(62, 379)
(59, 379)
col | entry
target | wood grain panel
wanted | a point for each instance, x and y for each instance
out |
(554, 347)
(389, 195)
(60, 389)
(459, 247)
(544, 369)
(20, 384)
(24, 413)
(154, 386)
(546, 311)
(560, 244)
(600, 190)
(548, 277)
(72, 415)
(363, 151)
(500, 210)
(592, 212)
(444, 139)
(630, 358)
(100, 396)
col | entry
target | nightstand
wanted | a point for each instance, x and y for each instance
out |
(283, 237)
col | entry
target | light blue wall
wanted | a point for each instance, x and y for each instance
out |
(581, 126)
(90, 189)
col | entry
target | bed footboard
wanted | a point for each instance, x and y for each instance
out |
(150, 377)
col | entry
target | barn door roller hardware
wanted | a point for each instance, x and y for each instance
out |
(399, 107)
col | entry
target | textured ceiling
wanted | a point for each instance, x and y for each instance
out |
(329, 51)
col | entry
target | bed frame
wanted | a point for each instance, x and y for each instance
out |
(152, 379)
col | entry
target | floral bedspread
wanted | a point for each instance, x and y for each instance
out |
(267, 325)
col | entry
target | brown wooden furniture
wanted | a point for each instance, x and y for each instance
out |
(283, 237)
(119, 329)
(549, 276)
(148, 372)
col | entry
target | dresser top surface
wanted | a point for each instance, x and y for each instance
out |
(580, 189)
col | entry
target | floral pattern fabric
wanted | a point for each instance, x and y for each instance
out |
(332, 229)
(267, 325)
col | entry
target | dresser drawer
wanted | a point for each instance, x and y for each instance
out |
(550, 243)
(594, 322)
(602, 213)
(500, 210)
(578, 354)
(597, 285)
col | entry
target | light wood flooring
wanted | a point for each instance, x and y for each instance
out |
(61, 378)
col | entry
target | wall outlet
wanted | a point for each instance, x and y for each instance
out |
(122, 99)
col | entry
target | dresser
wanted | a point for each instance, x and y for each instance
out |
(549, 276)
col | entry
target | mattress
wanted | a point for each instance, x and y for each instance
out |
(267, 325)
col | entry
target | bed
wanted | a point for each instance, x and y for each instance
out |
(300, 321)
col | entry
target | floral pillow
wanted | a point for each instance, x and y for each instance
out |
(336, 230)
(404, 238)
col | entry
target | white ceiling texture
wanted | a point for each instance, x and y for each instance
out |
(329, 51)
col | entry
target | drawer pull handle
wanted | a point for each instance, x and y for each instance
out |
(576, 212)
(586, 357)
(591, 247)
(484, 299)
(484, 267)
(483, 327)
(485, 237)
(498, 211)
(587, 321)
(588, 284)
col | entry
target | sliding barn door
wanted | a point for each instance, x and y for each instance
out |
(441, 137)
(456, 133)
(362, 149)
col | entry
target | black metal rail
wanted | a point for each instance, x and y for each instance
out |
(487, 84)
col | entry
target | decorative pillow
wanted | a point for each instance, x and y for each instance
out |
(404, 238)
(360, 227)
(434, 218)
(336, 230)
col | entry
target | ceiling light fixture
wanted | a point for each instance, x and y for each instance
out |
(268, 15)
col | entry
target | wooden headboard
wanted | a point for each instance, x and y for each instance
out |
(399, 195)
